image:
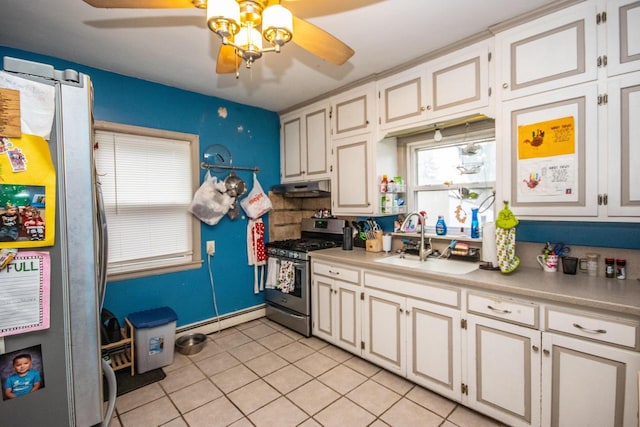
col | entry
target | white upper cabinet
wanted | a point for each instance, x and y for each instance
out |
(304, 144)
(402, 99)
(623, 36)
(443, 87)
(553, 51)
(459, 82)
(623, 145)
(352, 183)
(353, 111)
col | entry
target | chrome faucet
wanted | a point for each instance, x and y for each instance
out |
(422, 252)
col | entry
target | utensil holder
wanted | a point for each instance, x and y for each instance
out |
(375, 245)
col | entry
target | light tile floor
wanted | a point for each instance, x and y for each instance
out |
(261, 374)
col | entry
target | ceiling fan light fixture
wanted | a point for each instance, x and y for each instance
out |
(223, 17)
(249, 44)
(277, 25)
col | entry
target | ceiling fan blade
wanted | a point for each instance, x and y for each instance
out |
(309, 9)
(140, 4)
(227, 60)
(319, 42)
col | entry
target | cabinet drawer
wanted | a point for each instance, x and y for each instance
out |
(337, 272)
(424, 290)
(497, 307)
(595, 327)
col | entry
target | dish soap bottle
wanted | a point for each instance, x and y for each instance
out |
(475, 227)
(441, 226)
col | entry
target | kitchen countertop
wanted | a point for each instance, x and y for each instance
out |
(619, 296)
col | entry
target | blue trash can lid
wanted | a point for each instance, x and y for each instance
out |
(152, 318)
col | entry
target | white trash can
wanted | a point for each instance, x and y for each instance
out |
(154, 337)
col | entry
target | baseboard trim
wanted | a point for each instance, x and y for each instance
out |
(223, 322)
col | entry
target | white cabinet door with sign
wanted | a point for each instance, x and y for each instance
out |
(550, 153)
(548, 53)
(304, 144)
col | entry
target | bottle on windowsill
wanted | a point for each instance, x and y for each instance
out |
(441, 226)
(475, 227)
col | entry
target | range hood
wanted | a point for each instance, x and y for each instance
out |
(304, 189)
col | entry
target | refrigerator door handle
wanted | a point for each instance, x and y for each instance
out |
(103, 243)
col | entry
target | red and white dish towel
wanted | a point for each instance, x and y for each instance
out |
(286, 276)
(256, 251)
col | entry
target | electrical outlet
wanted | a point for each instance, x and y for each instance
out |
(211, 247)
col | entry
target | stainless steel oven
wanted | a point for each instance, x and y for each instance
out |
(290, 304)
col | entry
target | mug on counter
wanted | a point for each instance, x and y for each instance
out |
(549, 263)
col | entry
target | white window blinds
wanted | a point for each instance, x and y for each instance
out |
(147, 187)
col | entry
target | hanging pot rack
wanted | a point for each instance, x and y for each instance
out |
(205, 165)
(222, 159)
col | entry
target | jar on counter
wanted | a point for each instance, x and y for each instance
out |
(621, 269)
(610, 269)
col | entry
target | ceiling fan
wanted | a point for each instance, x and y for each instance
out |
(243, 24)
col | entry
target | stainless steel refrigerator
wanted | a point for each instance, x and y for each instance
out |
(70, 347)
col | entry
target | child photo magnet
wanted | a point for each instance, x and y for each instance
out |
(21, 372)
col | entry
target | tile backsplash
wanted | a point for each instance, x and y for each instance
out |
(287, 213)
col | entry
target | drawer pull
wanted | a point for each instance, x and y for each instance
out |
(337, 273)
(591, 331)
(498, 310)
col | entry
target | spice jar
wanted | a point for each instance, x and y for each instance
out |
(621, 269)
(609, 269)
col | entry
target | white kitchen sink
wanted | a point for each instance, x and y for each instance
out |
(437, 265)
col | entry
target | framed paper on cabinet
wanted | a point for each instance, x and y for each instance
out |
(551, 141)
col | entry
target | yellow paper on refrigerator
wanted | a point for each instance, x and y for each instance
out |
(27, 193)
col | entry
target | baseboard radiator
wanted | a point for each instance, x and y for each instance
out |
(225, 321)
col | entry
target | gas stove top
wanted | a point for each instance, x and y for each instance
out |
(316, 234)
(302, 245)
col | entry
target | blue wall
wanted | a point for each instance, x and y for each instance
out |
(252, 136)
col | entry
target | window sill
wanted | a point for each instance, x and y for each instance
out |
(155, 271)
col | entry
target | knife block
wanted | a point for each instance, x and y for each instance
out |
(374, 245)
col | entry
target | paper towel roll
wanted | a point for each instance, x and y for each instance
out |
(489, 252)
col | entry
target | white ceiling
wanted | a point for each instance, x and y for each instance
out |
(174, 47)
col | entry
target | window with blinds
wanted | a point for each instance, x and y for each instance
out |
(148, 178)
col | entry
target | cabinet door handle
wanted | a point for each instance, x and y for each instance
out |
(546, 352)
(535, 348)
(505, 85)
(401, 310)
(498, 310)
(591, 331)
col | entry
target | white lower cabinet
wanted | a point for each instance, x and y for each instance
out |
(336, 307)
(414, 338)
(493, 353)
(384, 330)
(433, 347)
(503, 366)
(588, 384)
